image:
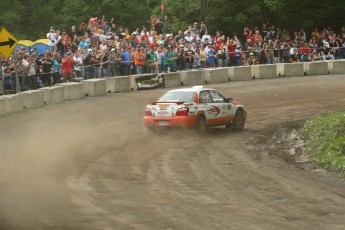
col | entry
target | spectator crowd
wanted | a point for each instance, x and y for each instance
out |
(100, 49)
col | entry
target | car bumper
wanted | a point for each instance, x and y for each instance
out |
(179, 121)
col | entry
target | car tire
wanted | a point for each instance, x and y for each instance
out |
(200, 125)
(239, 120)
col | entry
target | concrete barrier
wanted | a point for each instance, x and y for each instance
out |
(240, 73)
(218, 75)
(110, 82)
(265, 71)
(192, 77)
(280, 69)
(14, 103)
(72, 90)
(33, 99)
(94, 87)
(172, 79)
(290, 69)
(336, 67)
(119, 84)
(3, 110)
(53, 94)
(316, 68)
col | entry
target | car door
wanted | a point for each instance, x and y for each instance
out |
(224, 106)
(212, 110)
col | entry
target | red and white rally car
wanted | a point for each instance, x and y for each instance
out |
(195, 107)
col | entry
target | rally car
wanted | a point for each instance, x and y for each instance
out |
(195, 108)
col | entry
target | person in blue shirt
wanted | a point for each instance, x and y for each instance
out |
(211, 57)
(125, 67)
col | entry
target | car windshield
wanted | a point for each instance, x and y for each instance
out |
(181, 96)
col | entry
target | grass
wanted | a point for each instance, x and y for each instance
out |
(325, 141)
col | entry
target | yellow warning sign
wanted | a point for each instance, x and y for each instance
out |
(7, 43)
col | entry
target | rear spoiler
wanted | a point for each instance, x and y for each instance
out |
(166, 102)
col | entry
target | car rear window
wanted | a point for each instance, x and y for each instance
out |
(181, 96)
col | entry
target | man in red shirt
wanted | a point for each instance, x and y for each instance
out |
(231, 49)
(67, 67)
(305, 49)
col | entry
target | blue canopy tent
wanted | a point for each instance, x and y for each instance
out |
(40, 45)
(24, 43)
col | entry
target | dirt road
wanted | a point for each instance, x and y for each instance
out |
(90, 164)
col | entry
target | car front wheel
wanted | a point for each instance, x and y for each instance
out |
(239, 120)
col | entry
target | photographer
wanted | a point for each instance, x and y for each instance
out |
(51, 35)
(31, 73)
(88, 65)
(286, 52)
(203, 28)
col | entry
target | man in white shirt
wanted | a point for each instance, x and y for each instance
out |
(206, 35)
(51, 39)
(78, 64)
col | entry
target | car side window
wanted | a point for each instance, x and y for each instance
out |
(204, 97)
(217, 97)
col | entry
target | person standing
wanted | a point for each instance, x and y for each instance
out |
(211, 55)
(202, 56)
(169, 59)
(160, 59)
(51, 35)
(125, 68)
(67, 67)
(152, 60)
(269, 52)
(31, 73)
(89, 68)
(189, 57)
(56, 70)
(47, 70)
(166, 25)
(78, 64)
(139, 60)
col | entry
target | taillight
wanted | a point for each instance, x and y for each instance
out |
(148, 112)
(182, 111)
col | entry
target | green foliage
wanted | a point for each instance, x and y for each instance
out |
(326, 141)
(30, 19)
(274, 5)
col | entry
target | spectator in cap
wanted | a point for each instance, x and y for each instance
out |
(51, 35)
(294, 57)
(88, 61)
(78, 65)
(67, 67)
(31, 72)
(169, 59)
(115, 60)
(56, 68)
(66, 40)
(139, 60)
(125, 67)
(47, 63)
(152, 60)
(211, 57)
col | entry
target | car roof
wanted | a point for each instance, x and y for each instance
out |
(191, 89)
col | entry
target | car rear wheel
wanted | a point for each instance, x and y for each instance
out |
(200, 125)
(239, 120)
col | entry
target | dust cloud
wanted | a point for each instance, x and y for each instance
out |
(36, 159)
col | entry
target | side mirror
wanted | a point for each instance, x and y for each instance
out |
(230, 99)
